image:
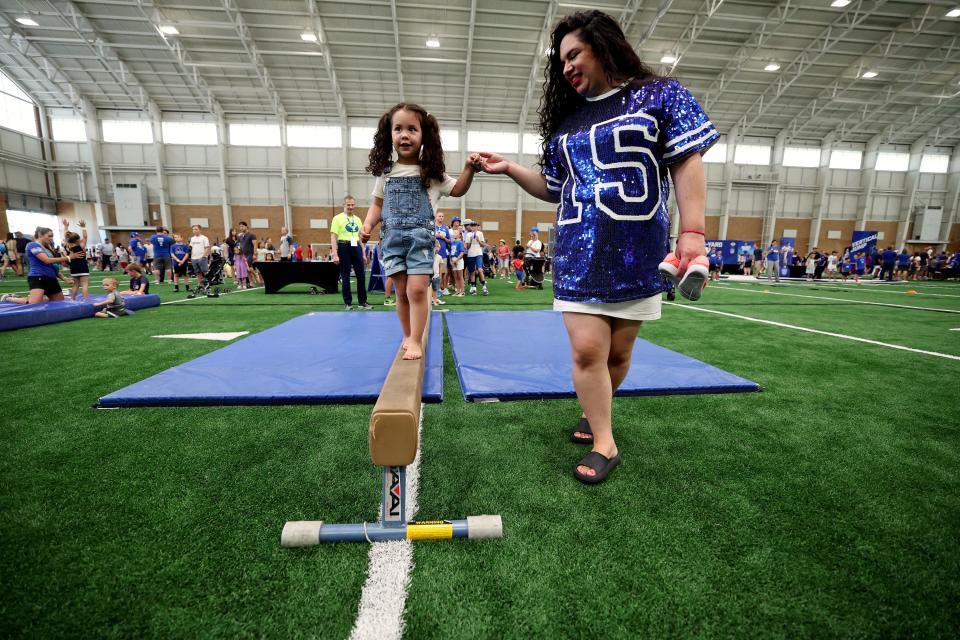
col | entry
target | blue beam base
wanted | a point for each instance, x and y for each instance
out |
(393, 523)
(305, 533)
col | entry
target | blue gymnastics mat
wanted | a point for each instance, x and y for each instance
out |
(317, 358)
(524, 355)
(19, 316)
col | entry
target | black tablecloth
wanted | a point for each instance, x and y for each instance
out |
(277, 275)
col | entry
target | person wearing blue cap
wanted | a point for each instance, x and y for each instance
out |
(444, 238)
(473, 242)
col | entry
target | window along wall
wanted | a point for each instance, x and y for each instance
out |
(17, 110)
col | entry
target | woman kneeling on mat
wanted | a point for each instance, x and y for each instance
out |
(612, 133)
(44, 270)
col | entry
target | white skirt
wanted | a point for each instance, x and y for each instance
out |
(641, 309)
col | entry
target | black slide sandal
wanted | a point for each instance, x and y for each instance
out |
(582, 427)
(599, 463)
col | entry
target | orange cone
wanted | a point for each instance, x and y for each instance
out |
(910, 292)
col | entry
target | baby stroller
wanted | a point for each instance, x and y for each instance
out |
(212, 285)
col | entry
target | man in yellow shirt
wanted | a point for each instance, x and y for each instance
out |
(348, 252)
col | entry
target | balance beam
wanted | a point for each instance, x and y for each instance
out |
(395, 421)
(393, 440)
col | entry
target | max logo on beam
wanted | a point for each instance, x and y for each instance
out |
(394, 513)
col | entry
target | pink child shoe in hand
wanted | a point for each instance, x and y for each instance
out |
(670, 268)
(693, 281)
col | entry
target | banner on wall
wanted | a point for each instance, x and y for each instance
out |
(731, 249)
(787, 248)
(865, 241)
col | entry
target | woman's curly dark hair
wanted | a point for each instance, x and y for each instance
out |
(431, 150)
(605, 38)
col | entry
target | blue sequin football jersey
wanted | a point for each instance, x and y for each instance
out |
(608, 163)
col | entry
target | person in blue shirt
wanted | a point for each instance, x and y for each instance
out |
(161, 242)
(457, 251)
(136, 248)
(772, 264)
(180, 256)
(758, 258)
(445, 237)
(903, 264)
(614, 134)
(716, 263)
(860, 264)
(44, 274)
(888, 260)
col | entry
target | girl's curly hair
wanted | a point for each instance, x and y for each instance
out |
(431, 151)
(605, 38)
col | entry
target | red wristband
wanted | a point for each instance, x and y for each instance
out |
(693, 231)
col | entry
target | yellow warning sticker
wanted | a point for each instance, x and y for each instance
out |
(431, 531)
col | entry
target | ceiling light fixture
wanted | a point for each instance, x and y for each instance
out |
(668, 58)
(954, 13)
(309, 36)
(773, 66)
(433, 41)
(839, 3)
(168, 30)
(869, 74)
(28, 22)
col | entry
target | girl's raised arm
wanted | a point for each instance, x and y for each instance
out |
(532, 182)
(466, 178)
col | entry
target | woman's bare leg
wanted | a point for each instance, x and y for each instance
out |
(590, 340)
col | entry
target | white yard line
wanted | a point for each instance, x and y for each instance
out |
(225, 336)
(205, 297)
(728, 287)
(890, 289)
(384, 597)
(817, 331)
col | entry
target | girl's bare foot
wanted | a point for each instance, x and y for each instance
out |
(413, 352)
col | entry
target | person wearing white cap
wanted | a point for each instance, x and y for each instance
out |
(473, 242)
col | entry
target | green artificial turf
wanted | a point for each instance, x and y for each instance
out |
(825, 506)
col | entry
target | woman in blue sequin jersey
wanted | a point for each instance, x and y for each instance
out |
(614, 135)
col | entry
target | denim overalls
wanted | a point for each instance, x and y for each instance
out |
(409, 233)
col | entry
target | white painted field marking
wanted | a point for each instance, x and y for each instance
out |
(223, 337)
(889, 289)
(380, 616)
(800, 295)
(817, 331)
(205, 297)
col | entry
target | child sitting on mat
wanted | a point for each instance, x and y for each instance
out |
(139, 285)
(113, 306)
(405, 198)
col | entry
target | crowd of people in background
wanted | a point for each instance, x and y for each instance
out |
(879, 263)
(465, 261)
